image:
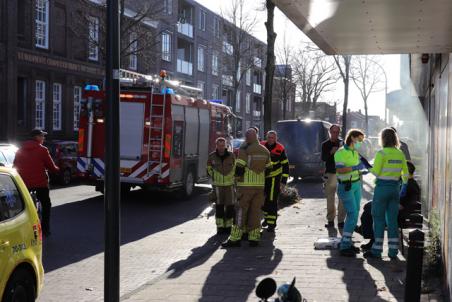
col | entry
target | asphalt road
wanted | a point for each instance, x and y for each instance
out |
(158, 231)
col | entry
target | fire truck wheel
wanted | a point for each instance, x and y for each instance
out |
(189, 184)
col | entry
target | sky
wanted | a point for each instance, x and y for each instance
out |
(391, 63)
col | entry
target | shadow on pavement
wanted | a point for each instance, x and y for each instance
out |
(198, 256)
(237, 273)
(78, 227)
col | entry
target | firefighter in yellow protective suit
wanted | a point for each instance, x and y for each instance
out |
(275, 180)
(221, 168)
(251, 167)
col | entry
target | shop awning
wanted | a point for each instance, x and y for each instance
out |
(374, 26)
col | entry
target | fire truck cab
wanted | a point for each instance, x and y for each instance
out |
(165, 138)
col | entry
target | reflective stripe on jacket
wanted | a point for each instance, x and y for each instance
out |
(390, 164)
(346, 158)
(252, 164)
(221, 168)
(280, 163)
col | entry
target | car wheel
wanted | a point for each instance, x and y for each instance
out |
(20, 287)
(66, 177)
(189, 184)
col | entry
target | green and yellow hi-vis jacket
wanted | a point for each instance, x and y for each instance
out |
(252, 165)
(221, 168)
(390, 164)
(346, 158)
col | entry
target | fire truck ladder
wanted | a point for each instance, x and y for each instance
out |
(153, 147)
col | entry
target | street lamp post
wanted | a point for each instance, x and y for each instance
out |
(112, 183)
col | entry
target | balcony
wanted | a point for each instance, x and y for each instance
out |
(257, 115)
(228, 48)
(258, 62)
(226, 80)
(257, 88)
(184, 67)
(185, 29)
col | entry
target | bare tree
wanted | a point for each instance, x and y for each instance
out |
(284, 80)
(237, 44)
(270, 65)
(138, 28)
(343, 63)
(367, 75)
(315, 73)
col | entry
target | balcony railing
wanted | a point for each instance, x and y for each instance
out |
(258, 62)
(257, 115)
(226, 80)
(184, 67)
(257, 88)
(185, 29)
(228, 48)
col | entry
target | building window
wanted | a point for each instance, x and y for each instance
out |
(166, 46)
(202, 20)
(77, 101)
(248, 77)
(248, 103)
(216, 27)
(215, 92)
(201, 86)
(215, 63)
(40, 103)
(93, 43)
(133, 59)
(237, 101)
(168, 7)
(57, 94)
(201, 56)
(42, 23)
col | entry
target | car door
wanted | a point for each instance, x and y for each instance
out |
(14, 225)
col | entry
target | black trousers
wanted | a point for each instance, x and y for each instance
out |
(270, 209)
(42, 194)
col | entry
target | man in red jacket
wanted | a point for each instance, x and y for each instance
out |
(32, 162)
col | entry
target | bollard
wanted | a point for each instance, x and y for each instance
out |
(414, 266)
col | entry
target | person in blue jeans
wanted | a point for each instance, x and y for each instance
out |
(390, 165)
(348, 167)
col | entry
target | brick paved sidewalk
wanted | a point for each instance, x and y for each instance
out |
(322, 275)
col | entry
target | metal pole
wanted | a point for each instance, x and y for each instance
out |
(414, 266)
(112, 183)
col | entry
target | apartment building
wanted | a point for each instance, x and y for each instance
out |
(50, 49)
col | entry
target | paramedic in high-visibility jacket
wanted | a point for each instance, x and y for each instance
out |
(390, 165)
(348, 167)
(251, 167)
(221, 169)
(275, 180)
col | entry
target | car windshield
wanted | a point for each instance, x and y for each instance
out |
(9, 154)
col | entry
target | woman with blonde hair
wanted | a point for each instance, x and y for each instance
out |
(348, 167)
(390, 165)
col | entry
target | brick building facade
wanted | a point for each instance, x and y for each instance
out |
(45, 61)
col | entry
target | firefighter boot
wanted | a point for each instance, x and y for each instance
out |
(229, 218)
(234, 239)
(219, 215)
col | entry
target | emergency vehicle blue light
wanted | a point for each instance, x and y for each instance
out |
(92, 88)
(216, 101)
(167, 91)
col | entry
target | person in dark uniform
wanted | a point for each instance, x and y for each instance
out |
(275, 180)
(403, 147)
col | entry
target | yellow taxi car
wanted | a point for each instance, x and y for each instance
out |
(21, 271)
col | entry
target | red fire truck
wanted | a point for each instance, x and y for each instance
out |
(165, 139)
